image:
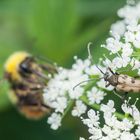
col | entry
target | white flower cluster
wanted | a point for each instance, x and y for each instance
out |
(124, 47)
(59, 92)
(113, 128)
(125, 39)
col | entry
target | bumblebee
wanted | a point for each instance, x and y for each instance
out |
(27, 78)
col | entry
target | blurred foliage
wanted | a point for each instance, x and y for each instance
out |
(58, 30)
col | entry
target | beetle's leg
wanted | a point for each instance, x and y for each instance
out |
(137, 76)
(107, 84)
(124, 98)
(125, 95)
(114, 91)
(116, 73)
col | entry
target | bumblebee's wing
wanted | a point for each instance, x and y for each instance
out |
(48, 65)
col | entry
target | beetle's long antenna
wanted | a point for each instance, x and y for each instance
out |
(92, 79)
(111, 70)
(90, 58)
(100, 70)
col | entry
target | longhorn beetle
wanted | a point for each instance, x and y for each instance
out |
(120, 82)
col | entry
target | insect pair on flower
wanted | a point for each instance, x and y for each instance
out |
(28, 77)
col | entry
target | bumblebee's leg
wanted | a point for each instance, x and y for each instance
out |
(46, 106)
(39, 74)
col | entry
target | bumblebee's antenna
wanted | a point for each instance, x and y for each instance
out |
(50, 62)
(44, 59)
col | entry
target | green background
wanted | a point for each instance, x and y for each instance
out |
(58, 30)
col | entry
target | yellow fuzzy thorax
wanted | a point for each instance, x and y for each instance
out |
(13, 62)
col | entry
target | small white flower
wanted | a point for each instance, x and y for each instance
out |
(129, 13)
(113, 45)
(107, 63)
(55, 121)
(120, 62)
(126, 60)
(126, 50)
(117, 61)
(127, 136)
(60, 104)
(82, 138)
(137, 36)
(133, 27)
(129, 37)
(118, 28)
(93, 119)
(79, 109)
(110, 119)
(95, 95)
(96, 133)
(126, 108)
(109, 108)
(76, 93)
(105, 138)
(136, 44)
(131, 2)
(114, 134)
(125, 124)
(137, 132)
(136, 114)
(80, 64)
(111, 132)
(135, 64)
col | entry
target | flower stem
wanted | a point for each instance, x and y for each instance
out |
(68, 108)
(97, 107)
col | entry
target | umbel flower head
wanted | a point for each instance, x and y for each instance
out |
(113, 128)
(123, 47)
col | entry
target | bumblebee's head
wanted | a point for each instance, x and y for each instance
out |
(12, 65)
